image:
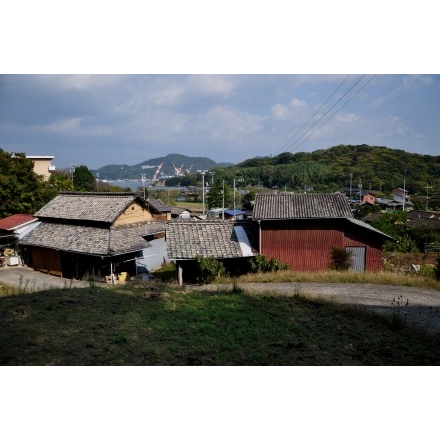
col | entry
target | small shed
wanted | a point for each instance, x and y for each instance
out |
(13, 227)
(229, 242)
(302, 229)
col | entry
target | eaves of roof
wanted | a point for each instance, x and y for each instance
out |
(92, 240)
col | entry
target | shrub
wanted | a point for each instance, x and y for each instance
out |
(340, 259)
(276, 265)
(209, 269)
(437, 269)
(260, 264)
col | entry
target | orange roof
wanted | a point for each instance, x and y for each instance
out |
(16, 220)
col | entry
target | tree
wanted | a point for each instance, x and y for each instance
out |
(83, 179)
(214, 198)
(22, 191)
(247, 199)
(61, 180)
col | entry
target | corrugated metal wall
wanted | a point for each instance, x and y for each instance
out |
(307, 245)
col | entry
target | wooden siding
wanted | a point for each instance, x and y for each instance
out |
(307, 245)
(47, 261)
(134, 213)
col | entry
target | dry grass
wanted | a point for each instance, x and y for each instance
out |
(382, 277)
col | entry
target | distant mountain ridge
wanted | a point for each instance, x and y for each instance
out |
(148, 167)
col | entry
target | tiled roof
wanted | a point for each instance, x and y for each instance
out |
(86, 206)
(218, 239)
(92, 240)
(159, 205)
(300, 206)
(16, 220)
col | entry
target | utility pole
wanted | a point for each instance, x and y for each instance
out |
(360, 192)
(236, 180)
(72, 170)
(223, 206)
(212, 177)
(203, 172)
(351, 177)
(427, 187)
(143, 178)
(404, 191)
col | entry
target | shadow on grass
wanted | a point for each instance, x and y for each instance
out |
(154, 326)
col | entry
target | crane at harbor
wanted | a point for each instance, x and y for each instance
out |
(156, 173)
(178, 171)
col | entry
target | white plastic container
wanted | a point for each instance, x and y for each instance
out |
(11, 260)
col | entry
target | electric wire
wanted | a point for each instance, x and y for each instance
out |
(337, 111)
(293, 145)
(328, 110)
(314, 114)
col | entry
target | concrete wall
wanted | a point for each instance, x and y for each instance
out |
(153, 257)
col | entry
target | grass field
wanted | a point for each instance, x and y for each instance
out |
(163, 325)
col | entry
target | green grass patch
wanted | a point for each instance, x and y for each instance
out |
(162, 325)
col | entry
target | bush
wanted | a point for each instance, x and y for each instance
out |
(340, 259)
(260, 264)
(437, 269)
(209, 269)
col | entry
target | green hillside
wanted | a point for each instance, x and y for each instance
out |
(376, 168)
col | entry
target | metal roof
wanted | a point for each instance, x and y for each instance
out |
(16, 221)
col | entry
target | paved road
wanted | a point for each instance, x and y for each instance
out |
(423, 307)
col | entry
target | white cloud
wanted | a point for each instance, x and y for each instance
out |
(80, 82)
(280, 112)
(167, 93)
(415, 82)
(226, 122)
(63, 125)
(211, 85)
(298, 103)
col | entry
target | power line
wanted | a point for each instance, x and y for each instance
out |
(314, 114)
(328, 110)
(297, 142)
(338, 110)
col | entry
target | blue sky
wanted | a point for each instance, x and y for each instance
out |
(114, 119)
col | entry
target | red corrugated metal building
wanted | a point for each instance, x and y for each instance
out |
(302, 229)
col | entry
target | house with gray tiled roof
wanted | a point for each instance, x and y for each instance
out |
(230, 242)
(84, 233)
(302, 229)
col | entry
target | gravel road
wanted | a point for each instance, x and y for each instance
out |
(34, 281)
(423, 307)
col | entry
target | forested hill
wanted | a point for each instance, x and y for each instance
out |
(148, 167)
(377, 168)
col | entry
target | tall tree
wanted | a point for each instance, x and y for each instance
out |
(214, 198)
(83, 179)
